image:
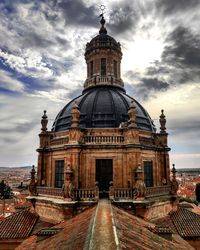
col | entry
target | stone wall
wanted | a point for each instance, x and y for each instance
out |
(105, 143)
(155, 211)
(52, 210)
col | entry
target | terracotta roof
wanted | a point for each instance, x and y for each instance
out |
(135, 233)
(182, 221)
(73, 234)
(18, 225)
(186, 222)
(132, 232)
(166, 222)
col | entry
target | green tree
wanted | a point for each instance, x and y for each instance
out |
(197, 192)
(189, 200)
(5, 191)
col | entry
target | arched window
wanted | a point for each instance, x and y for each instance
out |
(103, 66)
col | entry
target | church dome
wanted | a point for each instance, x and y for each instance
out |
(103, 103)
(103, 107)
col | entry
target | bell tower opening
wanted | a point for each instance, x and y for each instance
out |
(104, 174)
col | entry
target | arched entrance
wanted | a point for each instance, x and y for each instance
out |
(104, 174)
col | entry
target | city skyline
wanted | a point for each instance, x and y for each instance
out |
(42, 67)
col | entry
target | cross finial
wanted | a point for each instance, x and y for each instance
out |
(102, 8)
(102, 29)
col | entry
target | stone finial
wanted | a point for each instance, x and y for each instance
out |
(33, 173)
(173, 172)
(132, 115)
(162, 121)
(75, 116)
(33, 183)
(174, 183)
(44, 122)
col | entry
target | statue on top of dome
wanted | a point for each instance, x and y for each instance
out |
(162, 121)
(44, 122)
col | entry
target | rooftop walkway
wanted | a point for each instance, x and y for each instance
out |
(103, 232)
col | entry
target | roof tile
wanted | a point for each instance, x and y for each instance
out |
(186, 222)
(18, 225)
(135, 233)
(72, 236)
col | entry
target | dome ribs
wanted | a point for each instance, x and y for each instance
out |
(103, 107)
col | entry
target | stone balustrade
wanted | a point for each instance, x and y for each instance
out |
(103, 80)
(131, 193)
(86, 194)
(124, 193)
(157, 191)
(117, 193)
(50, 191)
(79, 194)
(90, 139)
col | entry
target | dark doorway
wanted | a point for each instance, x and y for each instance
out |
(104, 174)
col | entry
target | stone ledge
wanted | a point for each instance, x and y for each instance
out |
(51, 200)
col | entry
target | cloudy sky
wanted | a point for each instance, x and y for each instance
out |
(42, 66)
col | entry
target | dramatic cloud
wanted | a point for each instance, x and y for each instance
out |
(179, 64)
(123, 18)
(184, 49)
(77, 13)
(8, 82)
(172, 7)
(42, 65)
